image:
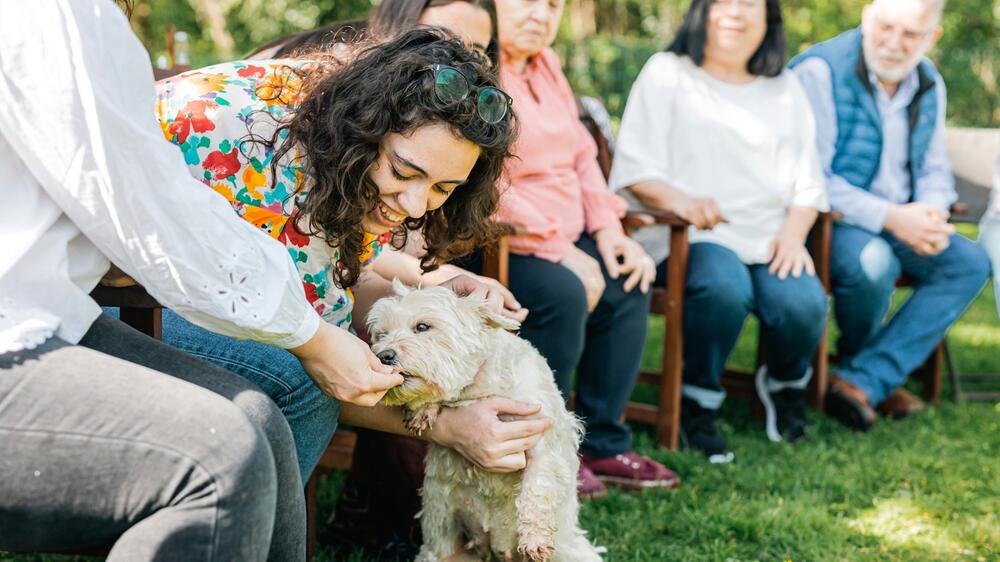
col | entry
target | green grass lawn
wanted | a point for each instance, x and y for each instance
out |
(920, 489)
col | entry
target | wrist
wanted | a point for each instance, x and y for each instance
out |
(439, 433)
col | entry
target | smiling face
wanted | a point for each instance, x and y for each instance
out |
(896, 34)
(464, 19)
(527, 26)
(416, 172)
(736, 29)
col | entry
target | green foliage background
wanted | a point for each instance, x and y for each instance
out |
(604, 43)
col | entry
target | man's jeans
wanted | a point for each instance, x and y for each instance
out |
(311, 414)
(876, 357)
(721, 291)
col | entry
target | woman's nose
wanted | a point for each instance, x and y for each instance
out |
(414, 200)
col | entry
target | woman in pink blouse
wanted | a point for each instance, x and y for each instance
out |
(585, 282)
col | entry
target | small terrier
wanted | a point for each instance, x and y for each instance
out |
(453, 351)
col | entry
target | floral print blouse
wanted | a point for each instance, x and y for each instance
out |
(211, 114)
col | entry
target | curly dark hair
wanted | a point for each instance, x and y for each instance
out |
(344, 113)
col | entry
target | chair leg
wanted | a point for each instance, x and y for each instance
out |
(949, 363)
(931, 374)
(821, 373)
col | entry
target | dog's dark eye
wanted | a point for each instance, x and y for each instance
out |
(421, 327)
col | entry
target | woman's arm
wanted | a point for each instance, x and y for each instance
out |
(702, 212)
(475, 431)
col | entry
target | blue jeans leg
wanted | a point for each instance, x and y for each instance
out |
(717, 299)
(945, 285)
(864, 269)
(792, 314)
(311, 414)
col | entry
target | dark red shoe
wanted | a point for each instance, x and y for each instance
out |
(588, 487)
(631, 472)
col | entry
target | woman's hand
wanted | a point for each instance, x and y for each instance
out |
(344, 367)
(498, 297)
(589, 272)
(614, 245)
(788, 254)
(478, 434)
(702, 212)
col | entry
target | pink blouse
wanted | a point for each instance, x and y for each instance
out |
(556, 189)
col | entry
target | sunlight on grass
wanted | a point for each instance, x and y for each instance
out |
(975, 334)
(899, 522)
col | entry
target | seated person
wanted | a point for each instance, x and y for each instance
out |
(110, 438)
(880, 109)
(317, 156)
(585, 282)
(717, 132)
(989, 232)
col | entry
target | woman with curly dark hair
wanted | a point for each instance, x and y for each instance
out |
(338, 161)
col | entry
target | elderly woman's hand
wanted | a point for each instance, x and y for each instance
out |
(624, 256)
(589, 272)
(498, 297)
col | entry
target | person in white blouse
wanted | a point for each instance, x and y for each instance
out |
(109, 437)
(717, 132)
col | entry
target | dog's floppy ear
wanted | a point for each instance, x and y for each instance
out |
(399, 287)
(492, 319)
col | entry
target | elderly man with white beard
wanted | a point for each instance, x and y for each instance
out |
(880, 109)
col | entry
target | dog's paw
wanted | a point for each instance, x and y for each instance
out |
(536, 547)
(421, 419)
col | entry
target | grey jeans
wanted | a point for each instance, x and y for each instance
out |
(122, 440)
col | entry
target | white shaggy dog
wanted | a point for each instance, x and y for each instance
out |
(451, 352)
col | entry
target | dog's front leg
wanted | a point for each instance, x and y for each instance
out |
(420, 419)
(438, 522)
(537, 505)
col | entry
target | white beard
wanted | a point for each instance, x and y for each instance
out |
(896, 73)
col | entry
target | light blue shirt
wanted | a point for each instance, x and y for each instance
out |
(868, 208)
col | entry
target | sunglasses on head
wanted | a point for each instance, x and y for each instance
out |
(451, 87)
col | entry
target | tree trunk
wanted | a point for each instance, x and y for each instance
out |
(212, 16)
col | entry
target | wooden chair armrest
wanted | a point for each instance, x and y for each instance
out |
(634, 220)
(959, 208)
(513, 228)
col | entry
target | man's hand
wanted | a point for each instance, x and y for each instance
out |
(589, 272)
(478, 434)
(344, 367)
(925, 229)
(624, 256)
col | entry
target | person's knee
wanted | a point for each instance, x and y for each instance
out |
(563, 302)
(874, 270)
(720, 284)
(804, 310)
(967, 262)
(261, 410)
(242, 454)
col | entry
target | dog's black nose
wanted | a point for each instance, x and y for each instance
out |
(387, 357)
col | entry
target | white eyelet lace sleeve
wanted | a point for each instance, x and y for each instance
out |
(78, 110)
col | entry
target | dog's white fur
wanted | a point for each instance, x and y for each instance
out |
(453, 351)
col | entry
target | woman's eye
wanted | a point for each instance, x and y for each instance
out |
(443, 191)
(421, 327)
(399, 176)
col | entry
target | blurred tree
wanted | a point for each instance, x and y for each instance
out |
(604, 43)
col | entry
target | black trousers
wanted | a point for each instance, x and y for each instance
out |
(604, 347)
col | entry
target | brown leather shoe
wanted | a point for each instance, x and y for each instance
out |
(849, 405)
(901, 403)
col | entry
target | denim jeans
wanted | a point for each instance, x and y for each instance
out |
(720, 292)
(877, 357)
(989, 239)
(122, 440)
(311, 414)
(604, 347)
